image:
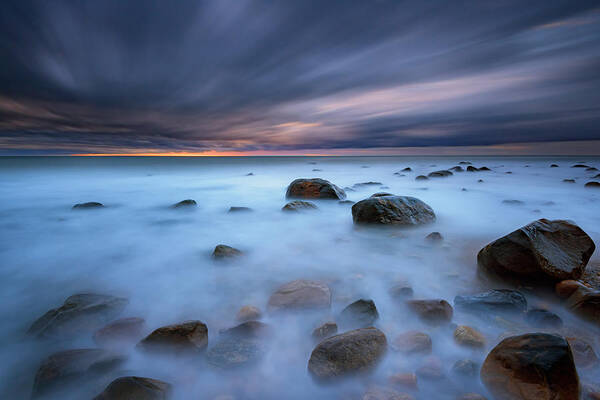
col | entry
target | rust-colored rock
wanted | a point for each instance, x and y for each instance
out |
(189, 336)
(469, 337)
(412, 342)
(135, 388)
(314, 189)
(434, 311)
(567, 287)
(301, 294)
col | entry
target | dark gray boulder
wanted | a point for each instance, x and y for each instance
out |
(135, 388)
(186, 337)
(223, 251)
(315, 188)
(439, 174)
(392, 210)
(360, 314)
(492, 301)
(88, 205)
(189, 203)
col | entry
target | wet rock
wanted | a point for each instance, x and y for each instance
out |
(120, 332)
(188, 337)
(381, 393)
(592, 184)
(431, 369)
(468, 337)
(223, 251)
(569, 180)
(585, 303)
(407, 169)
(421, 178)
(465, 163)
(346, 354)
(345, 202)
(596, 176)
(399, 174)
(401, 290)
(235, 209)
(362, 185)
(317, 170)
(314, 189)
(434, 311)
(248, 330)
(492, 301)
(250, 174)
(543, 318)
(392, 210)
(513, 202)
(434, 237)
(553, 166)
(567, 287)
(579, 166)
(298, 205)
(412, 342)
(466, 368)
(408, 380)
(185, 204)
(65, 367)
(135, 388)
(248, 313)
(381, 194)
(554, 250)
(591, 169)
(232, 352)
(325, 330)
(534, 366)
(88, 205)
(471, 168)
(583, 353)
(480, 181)
(471, 396)
(79, 313)
(457, 169)
(484, 169)
(439, 174)
(362, 313)
(301, 294)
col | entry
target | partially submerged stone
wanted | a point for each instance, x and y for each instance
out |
(120, 332)
(585, 302)
(360, 314)
(235, 209)
(298, 205)
(135, 388)
(188, 203)
(392, 210)
(301, 294)
(186, 337)
(435, 311)
(412, 342)
(325, 330)
(469, 337)
(248, 313)
(492, 301)
(542, 318)
(439, 174)
(223, 251)
(314, 189)
(88, 205)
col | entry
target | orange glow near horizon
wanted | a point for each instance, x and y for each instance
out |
(211, 153)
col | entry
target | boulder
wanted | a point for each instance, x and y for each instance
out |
(185, 204)
(553, 166)
(492, 301)
(360, 314)
(585, 302)
(298, 205)
(434, 237)
(457, 169)
(301, 294)
(567, 287)
(569, 180)
(592, 184)
(471, 168)
(248, 313)
(135, 387)
(412, 342)
(314, 189)
(544, 249)
(235, 209)
(541, 318)
(421, 178)
(347, 354)
(434, 311)
(384, 393)
(534, 366)
(392, 210)
(468, 337)
(407, 169)
(80, 313)
(324, 331)
(240, 346)
(189, 336)
(65, 367)
(465, 368)
(88, 205)
(121, 332)
(439, 174)
(223, 251)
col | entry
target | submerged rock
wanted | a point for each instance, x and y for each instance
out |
(235, 209)
(434, 237)
(465, 163)
(65, 367)
(579, 166)
(80, 313)
(408, 380)
(347, 354)
(88, 205)
(314, 189)
(135, 388)
(585, 302)
(366, 184)
(248, 313)
(392, 210)
(469, 337)
(471, 168)
(381, 194)
(421, 178)
(248, 330)
(541, 318)
(494, 301)
(513, 202)
(301, 294)
(412, 342)
(554, 250)
(465, 368)
(439, 174)
(298, 205)
(189, 336)
(235, 352)
(223, 251)
(407, 169)
(401, 290)
(457, 169)
(120, 332)
(324, 331)
(583, 352)
(534, 366)
(185, 204)
(384, 393)
(362, 313)
(592, 184)
(567, 287)
(569, 180)
(431, 369)
(434, 311)
(553, 166)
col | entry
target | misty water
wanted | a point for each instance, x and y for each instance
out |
(160, 259)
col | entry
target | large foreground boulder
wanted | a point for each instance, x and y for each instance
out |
(544, 249)
(65, 367)
(314, 189)
(535, 366)
(301, 294)
(135, 387)
(348, 353)
(189, 337)
(392, 210)
(79, 313)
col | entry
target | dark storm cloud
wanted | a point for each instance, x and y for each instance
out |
(252, 75)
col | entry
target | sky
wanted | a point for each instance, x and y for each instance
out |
(324, 77)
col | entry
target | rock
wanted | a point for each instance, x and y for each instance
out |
(345, 202)
(408, 380)
(120, 332)
(189, 336)
(534, 366)
(543, 318)
(325, 330)
(185, 204)
(399, 174)
(580, 166)
(553, 166)
(135, 388)
(434, 311)
(586, 303)
(439, 174)
(317, 170)
(346, 354)
(471, 168)
(484, 169)
(88, 205)
(362, 185)
(480, 181)
(468, 337)
(250, 174)
(554, 250)
(301, 294)
(465, 163)
(467, 368)
(412, 342)
(513, 202)
(583, 353)
(407, 169)
(401, 290)
(65, 367)
(592, 184)
(223, 251)
(494, 301)
(431, 369)
(457, 169)
(381, 194)
(434, 237)
(392, 210)
(298, 205)
(421, 178)
(471, 396)
(596, 176)
(314, 189)
(591, 169)
(569, 180)
(380, 393)
(234, 209)
(248, 330)
(235, 352)
(361, 314)
(567, 287)
(79, 313)
(248, 313)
